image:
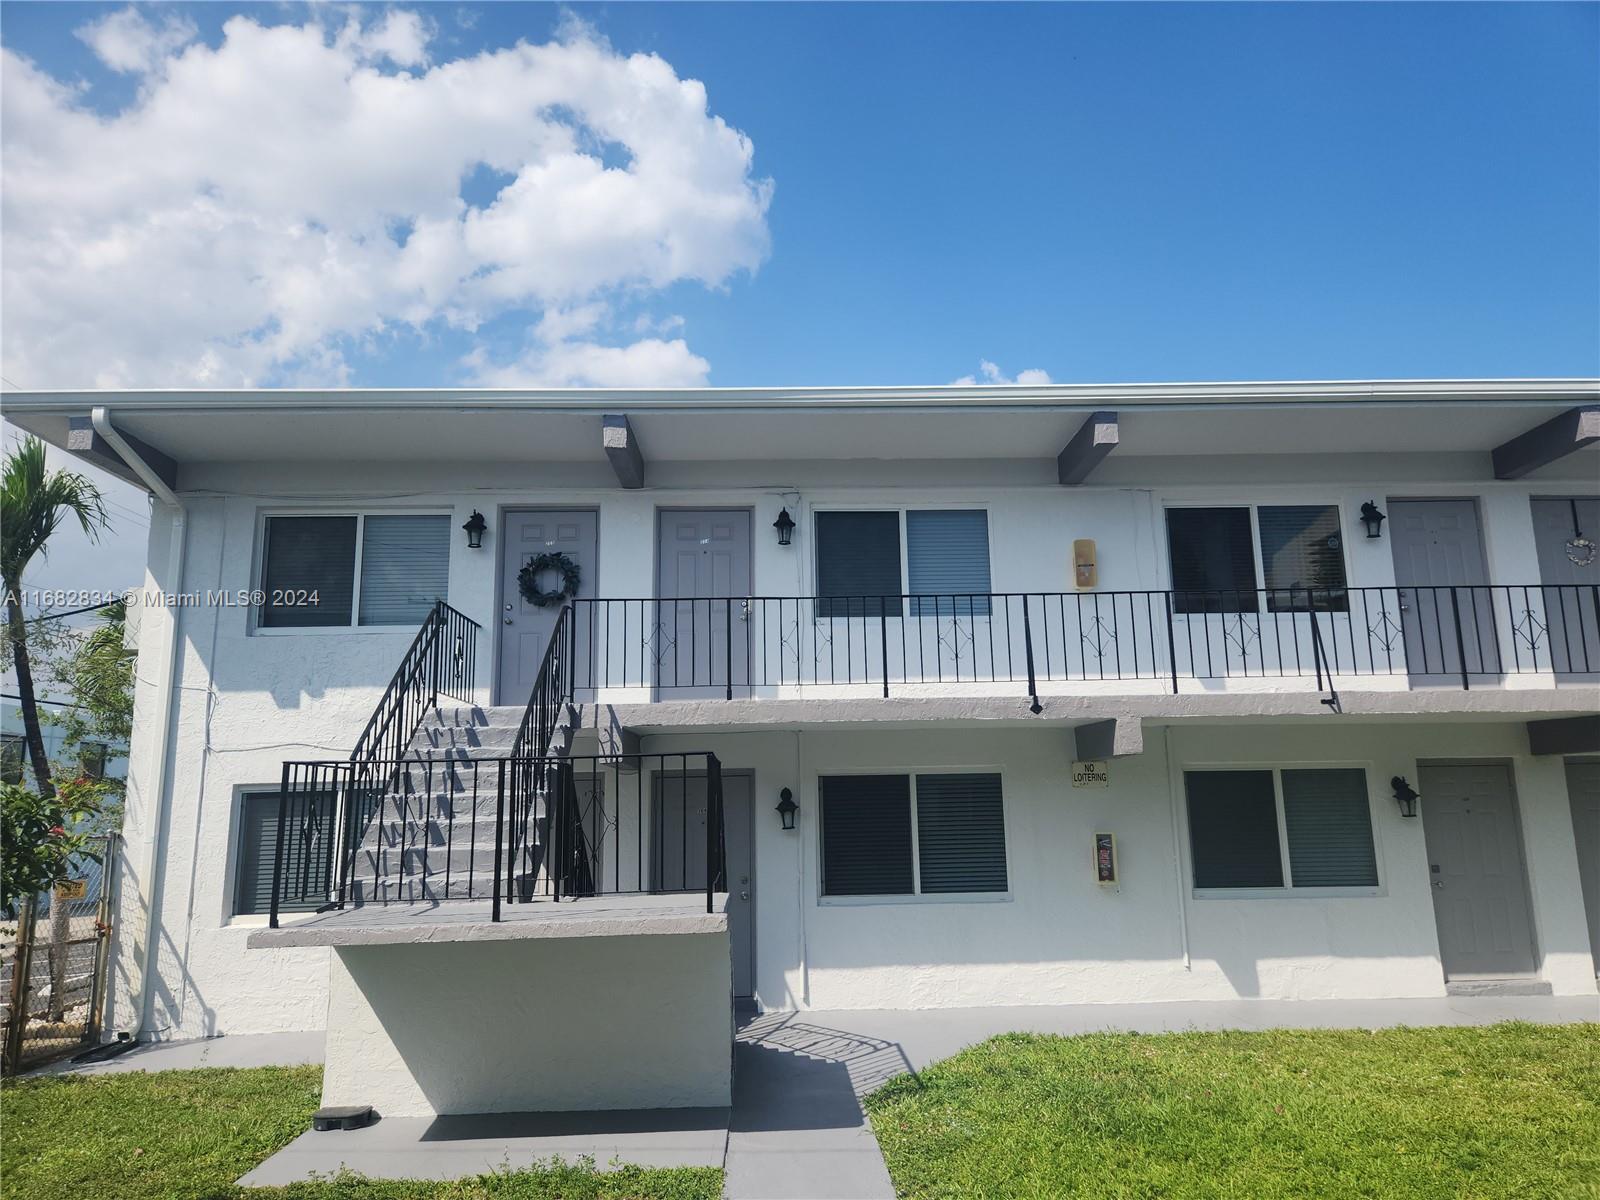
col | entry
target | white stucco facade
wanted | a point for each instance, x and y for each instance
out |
(247, 699)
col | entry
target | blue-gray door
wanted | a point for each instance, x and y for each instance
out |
(1446, 611)
(701, 639)
(1566, 532)
(524, 626)
(1480, 885)
(678, 854)
(1583, 791)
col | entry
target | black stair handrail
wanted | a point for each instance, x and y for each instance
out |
(552, 688)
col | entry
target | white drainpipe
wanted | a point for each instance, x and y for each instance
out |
(154, 836)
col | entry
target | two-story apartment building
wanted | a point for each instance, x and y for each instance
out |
(879, 697)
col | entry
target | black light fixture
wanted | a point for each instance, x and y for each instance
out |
(785, 527)
(1372, 519)
(1405, 795)
(787, 808)
(475, 526)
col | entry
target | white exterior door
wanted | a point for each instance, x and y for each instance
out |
(701, 641)
(1446, 612)
(1480, 885)
(525, 627)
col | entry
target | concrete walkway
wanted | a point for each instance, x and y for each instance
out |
(796, 1130)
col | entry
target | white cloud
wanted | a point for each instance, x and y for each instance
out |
(267, 205)
(126, 41)
(990, 374)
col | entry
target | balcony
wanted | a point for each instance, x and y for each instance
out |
(1035, 645)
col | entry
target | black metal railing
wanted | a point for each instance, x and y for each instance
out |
(758, 645)
(499, 829)
(552, 688)
(441, 661)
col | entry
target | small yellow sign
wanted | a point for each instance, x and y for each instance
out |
(1091, 773)
(72, 889)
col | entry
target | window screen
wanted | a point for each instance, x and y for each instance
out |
(947, 557)
(1233, 829)
(858, 561)
(1329, 823)
(961, 833)
(256, 849)
(1302, 553)
(866, 835)
(307, 555)
(1213, 560)
(13, 757)
(405, 567)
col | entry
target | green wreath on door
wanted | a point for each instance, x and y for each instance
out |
(528, 579)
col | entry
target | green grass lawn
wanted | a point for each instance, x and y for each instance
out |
(1494, 1112)
(187, 1135)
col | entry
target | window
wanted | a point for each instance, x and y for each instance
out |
(1213, 558)
(13, 757)
(92, 759)
(947, 556)
(1302, 557)
(1235, 818)
(858, 556)
(901, 835)
(256, 848)
(310, 571)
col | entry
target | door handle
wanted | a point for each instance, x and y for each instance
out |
(744, 610)
(509, 621)
(744, 895)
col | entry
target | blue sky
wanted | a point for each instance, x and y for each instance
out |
(1101, 192)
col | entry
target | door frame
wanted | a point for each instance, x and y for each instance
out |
(501, 513)
(656, 691)
(755, 893)
(1534, 946)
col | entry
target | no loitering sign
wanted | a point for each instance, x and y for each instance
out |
(1091, 773)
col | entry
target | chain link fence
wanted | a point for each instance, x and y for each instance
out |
(53, 964)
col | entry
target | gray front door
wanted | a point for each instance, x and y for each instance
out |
(1570, 571)
(1583, 790)
(1446, 612)
(678, 854)
(525, 627)
(701, 641)
(1480, 886)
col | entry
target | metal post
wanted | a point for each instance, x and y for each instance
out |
(499, 833)
(1461, 645)
(1027, 646)
(1172, 647)
(713, 823)
(277, 849)
(883, 640)
(102, 931)
(727, 618)
(21, 968)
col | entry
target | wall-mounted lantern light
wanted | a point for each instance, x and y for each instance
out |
(787, 808)
(1372, 519)
(1405, 796)
(475, 527)
(785, 527)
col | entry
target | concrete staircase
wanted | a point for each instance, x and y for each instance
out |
(433, 838)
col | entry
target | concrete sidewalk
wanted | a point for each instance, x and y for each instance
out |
(796, 1130)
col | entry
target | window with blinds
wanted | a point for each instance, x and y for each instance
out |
(1233, 829)
(1302, 556)
(309, 578)
(405, 568)
(866, 835)
(256, 848)
(309, 572)
(1329, 825)
(961, 834)
(867, 843)
(1213, 560)
(947, 558)
(1324, 813)
(858, 564)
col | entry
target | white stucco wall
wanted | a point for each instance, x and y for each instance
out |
(547, 1024)
(249, 700)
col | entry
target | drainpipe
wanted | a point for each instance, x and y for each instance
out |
(154, 838)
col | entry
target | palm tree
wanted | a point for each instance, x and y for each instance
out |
(33, 502)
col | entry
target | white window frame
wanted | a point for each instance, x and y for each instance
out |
(259, 572)
(900, 511)
(1288, 891)
(916, 896)
(1255, 507)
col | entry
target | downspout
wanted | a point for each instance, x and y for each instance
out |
(154, 840)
